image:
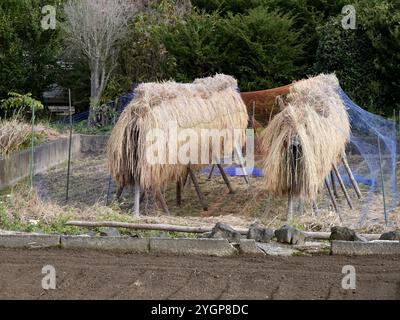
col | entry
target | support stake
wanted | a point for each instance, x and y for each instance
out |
(382, 181)
(179, 192)
(136, 206)
(197, 187)
(226, 179)
(351, 177)
(70, 143)
(334, 203)
(342, 186)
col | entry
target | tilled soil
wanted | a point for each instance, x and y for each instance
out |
(88, 274)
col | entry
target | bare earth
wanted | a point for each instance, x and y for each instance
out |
(108, 275)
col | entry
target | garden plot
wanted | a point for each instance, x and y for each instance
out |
(89, 190)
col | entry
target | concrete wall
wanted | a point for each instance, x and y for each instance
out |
(93, 144)
(15, 167)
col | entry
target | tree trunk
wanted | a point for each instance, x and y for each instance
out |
(94, 95)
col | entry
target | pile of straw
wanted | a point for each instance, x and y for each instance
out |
(302, 142)
(209, 103)
(13, 134)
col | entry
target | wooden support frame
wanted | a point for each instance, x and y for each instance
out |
(241, 163)
(226, 179)
(136, 192)
(211, 172)
(333, 182)
(342, 186)
(351, 177)
(161, 198)
(197, 188)
(333, 200)
(179, 192)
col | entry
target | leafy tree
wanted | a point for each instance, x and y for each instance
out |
(17, 103)
(366, 60)
(28, 53)
(259, 48)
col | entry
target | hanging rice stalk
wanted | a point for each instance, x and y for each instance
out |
(302, 142)
(208, 103)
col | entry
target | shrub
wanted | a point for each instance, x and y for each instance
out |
(259, 48)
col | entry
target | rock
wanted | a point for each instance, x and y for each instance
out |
(259, 233)
(358, 237)
(110, 232)
(346, 234)
(342, 233)
(276, 249)
(392, 235)
(225, 231)
(288, 234)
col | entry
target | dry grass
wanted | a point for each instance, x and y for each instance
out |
(14, 134)
(303, 141)
(89, 183)
(209, 103)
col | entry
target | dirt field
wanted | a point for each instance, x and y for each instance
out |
(105, 275)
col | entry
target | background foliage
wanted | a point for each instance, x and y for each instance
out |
(263, 43)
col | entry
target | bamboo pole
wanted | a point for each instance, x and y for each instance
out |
(342, 186)
(188, 229)
(351, 177)
(226, 180)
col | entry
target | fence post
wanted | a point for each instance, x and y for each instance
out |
(32, 147)
(382, 180)
(70, 143)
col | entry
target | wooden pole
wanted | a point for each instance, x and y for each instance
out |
(179, 192)
(342, 186)
(119, 191)
(197, 187)
(351, 177)
(211, 172)
(32, 160)
(334, 203)
(290, 206)
(333, 182)
(315, 207)
(164, 205)
(225, 177)
(188, 229)
(70, 143)
(241, 162)
(136, 195)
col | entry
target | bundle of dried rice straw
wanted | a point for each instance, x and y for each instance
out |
(208, 103)
(302, 142)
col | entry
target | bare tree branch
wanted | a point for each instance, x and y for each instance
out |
(94, 29)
